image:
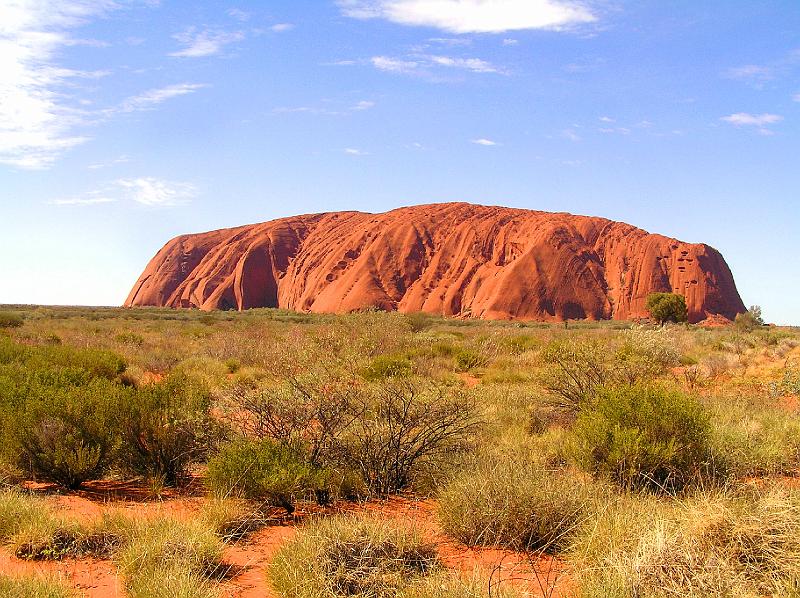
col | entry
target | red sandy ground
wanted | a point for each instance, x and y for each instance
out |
(251, 558)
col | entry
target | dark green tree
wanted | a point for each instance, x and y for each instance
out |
(667, 307)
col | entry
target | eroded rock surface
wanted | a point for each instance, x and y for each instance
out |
(453, 259)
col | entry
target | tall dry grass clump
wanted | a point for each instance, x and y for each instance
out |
(353, 556)
(722, 543)
(517, 503)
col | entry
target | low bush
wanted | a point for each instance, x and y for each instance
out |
(642, 437)
(388, 366)
(68, 435)
(10, 320)
(167, 426)
(404, 432)
(517, 503)
(265, 470)
(467, 359)
(352, 556)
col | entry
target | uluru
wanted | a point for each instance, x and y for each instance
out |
(451, 259)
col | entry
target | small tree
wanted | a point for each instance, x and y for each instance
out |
(750, 319)
(667, 307)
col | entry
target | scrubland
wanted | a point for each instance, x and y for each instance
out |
(270, 453)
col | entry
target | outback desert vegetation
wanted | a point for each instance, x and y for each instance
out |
(612, 459)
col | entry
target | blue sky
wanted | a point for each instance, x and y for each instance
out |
(124, 123)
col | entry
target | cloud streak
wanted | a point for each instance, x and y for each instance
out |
(156, 193)
(423, 64)
(473, 16)
(760, 121)
(148, 100)
(198, 44)
(37, 121)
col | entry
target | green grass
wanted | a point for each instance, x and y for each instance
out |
(33, 587)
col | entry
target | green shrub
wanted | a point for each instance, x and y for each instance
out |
(667, 307)
(467, 360)
(642, 437)
(167, 426)
(352, 556)
(68, 435)
(388, 366)
(517, 503)
(264, 470)
(33, 587)
(10, 320)
(129, 338)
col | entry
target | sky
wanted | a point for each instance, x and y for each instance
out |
(124, 123)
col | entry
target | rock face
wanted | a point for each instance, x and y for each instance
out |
(452, 259)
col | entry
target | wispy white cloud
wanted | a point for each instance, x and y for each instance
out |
(474, 16)
(451, 41)
(423, 64)
(206, 42)
(38, 119)
(119, 160)
(281, 27)
(570, 134)
(154, 192)
(239, 14)
(151, 98)
(760, 121)
(147, 191)
(606, 119)
(351, 151)
(752, 73)
(485, 142)
(796, 97)
(476, 65)
(363, 105)
(81, 201)
(510, 42)
(394, 65)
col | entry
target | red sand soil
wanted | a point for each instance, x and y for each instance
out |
(452, 259)
(250, 558)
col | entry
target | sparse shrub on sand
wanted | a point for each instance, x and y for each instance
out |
(516, 502)
(642, 437)
(390, 433)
